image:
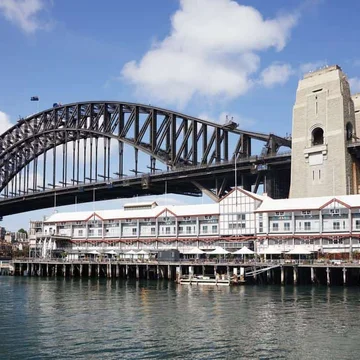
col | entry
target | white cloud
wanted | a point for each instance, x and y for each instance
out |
(24, 13)
(354, 85)
(275, 74)
(311, 66)
(5, 122)
(211, 51)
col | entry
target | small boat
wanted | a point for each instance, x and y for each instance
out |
(204, 280)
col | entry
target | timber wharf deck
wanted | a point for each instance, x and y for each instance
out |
(274, 272)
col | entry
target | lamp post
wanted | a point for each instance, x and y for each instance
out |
(236, 155)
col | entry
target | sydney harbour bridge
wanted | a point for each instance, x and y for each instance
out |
(100, 150)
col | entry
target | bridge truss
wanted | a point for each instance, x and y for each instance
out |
(93, 151)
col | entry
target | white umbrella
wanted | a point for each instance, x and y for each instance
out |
(142, 252)
(111, 252)
(131, 252)
(299, 251)
(218, 251)
(193, 251)
(270, 251)
(94, 252)
(244, 251)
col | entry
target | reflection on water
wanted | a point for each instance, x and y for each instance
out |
(115, 319)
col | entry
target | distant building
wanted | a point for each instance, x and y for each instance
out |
(9, 237)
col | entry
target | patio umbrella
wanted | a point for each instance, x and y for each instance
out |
(111, 252)
(271, 252)
(218, 251)
(244, 251)
(94, 252)
(299, 251)
(193, 251)
(131, 252)
(142, 252)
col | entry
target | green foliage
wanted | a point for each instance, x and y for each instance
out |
(23, 231)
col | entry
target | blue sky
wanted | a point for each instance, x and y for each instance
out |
(206, 58)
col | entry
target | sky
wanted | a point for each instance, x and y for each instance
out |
(205, 58)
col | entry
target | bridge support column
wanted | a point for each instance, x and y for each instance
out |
(215, 270)
(295, 275)
(127, 271)
(203, 270)
(98, 270)
(328, 282)
(157, 272)
(147, 272)
(282, 275)
(178, 273)
(117, 270)
(228, 272)
(56, 270)
(64, 270)
(47, 269)
(89, 270)
(81, 270)
(344, 275)
(72, 270)
(109, 271)
(32, 270)
(137, 272)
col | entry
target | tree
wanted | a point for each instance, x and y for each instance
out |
(23, 231)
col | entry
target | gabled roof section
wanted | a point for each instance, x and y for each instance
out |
(335, 200)
(246, 192)
(167, 212)
(94, 215)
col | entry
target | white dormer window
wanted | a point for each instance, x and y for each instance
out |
(306, 212)
(208, 217)
(186, 218)
(334, 211)
(279, 213)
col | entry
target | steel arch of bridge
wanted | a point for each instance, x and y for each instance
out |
(61, 148)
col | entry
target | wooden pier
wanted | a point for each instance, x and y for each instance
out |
(253, 273)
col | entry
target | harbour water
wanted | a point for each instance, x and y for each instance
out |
(56, 318)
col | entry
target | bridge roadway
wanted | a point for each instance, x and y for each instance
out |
(187, 180)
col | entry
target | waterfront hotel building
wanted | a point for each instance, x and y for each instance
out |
(322, 213)
(268, 226)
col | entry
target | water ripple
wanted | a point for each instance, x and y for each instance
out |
(115, 319)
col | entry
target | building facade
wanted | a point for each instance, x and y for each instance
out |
(269, 226)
